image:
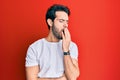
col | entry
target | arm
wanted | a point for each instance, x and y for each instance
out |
(32, 74)
(71, 65)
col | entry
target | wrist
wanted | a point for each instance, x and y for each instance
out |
(66, 53)
(65, 50)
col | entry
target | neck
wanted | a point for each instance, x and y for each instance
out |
(51, 37)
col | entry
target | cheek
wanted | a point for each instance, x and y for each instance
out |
(59, 26)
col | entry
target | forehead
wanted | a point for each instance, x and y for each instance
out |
(61, 15)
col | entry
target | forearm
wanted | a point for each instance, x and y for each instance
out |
(71, 70)
(44, 79)
(32, 72)
(61, 78)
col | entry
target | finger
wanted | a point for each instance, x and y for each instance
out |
(67, 33)
(63, 36)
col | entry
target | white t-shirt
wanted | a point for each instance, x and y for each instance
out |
(49, 57)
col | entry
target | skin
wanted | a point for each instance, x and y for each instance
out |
(57, 27)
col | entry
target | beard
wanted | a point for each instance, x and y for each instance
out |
(56, 33)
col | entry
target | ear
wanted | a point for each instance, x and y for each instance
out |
(49, 21)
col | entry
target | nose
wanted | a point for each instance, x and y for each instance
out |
(65, 25)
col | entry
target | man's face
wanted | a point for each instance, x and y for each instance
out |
(59, 23)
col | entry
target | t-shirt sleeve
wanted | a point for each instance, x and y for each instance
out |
(31, 57)
(74, 51)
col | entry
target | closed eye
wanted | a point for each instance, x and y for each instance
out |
(62, 20)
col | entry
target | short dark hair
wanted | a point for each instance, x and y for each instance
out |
(52, 10)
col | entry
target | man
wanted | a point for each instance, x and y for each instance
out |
(55, 56)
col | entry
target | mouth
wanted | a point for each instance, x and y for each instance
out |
(63, 32)
(60, 33)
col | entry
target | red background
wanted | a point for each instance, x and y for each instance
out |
(94, 26)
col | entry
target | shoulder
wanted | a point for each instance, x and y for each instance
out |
(37, 43)
(34, 48)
